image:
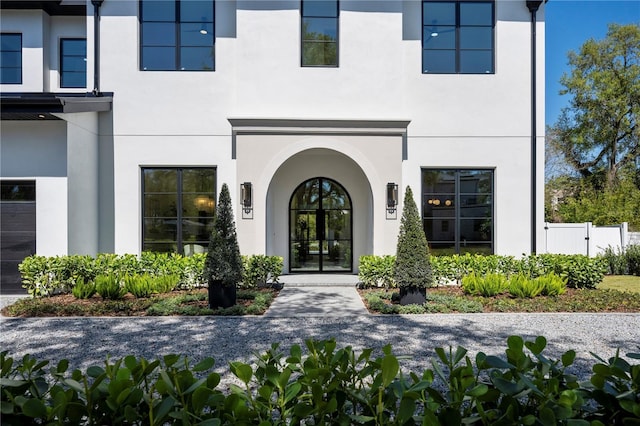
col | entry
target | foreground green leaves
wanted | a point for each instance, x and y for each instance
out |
(327, 386)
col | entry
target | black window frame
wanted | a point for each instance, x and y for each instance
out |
(458, 26)
(302, 33)
(62, 63)
(428, 198)
(180, 241)
(178, 38)
(2, 66)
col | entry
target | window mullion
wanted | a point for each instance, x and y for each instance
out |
(456, 188)
(177, 32)
(179, 213)
(458, 33)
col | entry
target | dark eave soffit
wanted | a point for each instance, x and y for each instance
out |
(51, 7)
(34, 104)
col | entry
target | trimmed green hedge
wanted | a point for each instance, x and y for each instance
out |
(327, 385)
(45, 276)
(579, 271)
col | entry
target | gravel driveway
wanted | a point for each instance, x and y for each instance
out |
(87, 341)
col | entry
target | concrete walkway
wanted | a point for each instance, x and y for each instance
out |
(317, 296)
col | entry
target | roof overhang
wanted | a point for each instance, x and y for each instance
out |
(15, 105)
(337, 126)
(51, 7)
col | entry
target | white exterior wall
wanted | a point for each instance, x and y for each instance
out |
(82, 173)
(182, 118)
(132, 153)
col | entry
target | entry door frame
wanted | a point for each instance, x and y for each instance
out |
(320, 216)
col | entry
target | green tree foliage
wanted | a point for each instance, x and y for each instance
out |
(606, 207)
(223, 262)
(413, 266)
(598, 133)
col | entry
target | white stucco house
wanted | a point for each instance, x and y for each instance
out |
(121, 120)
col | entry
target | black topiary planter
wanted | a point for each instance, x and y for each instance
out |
(221, 296)
(413, 295)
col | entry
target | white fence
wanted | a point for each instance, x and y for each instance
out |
(585, 238)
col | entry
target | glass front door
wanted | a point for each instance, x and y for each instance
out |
(320, 227)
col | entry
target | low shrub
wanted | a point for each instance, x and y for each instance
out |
(632, 254)
(616, 261)
(488, 286)
(622, 261)
(192, 273)
(139, 285)
(581, 271)
(260, 269)
(552, 284)
(443, 303)
(165, 283)
(525, 287)
(327, 385)
(377, 271)
(110, 287)
(83, 290)
(39, 275)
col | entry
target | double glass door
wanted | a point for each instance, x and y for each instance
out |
(320, 237)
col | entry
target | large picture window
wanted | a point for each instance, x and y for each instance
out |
(73, 62)
(178, 206)
(457, 210)
(320, 33)
(177, 35)
(10, 58)
(458, 37)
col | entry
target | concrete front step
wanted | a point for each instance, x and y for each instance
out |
(315, 280)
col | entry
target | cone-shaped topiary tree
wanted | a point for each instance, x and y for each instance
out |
(412, 268)
(223, 265)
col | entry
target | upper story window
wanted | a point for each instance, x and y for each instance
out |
(177, 35)
(458, 37)
(319, 33)
(73, 62)
(10, 58)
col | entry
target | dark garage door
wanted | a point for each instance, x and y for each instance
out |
(17, 231)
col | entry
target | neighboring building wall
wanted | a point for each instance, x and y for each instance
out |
(62, 27)
(41, 35)
(38, 151)
(32, 24)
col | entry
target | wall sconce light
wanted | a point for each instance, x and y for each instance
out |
(392, 197)
(246, 192)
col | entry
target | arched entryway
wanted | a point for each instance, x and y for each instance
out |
(320, 227)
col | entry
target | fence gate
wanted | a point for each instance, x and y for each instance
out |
(567, 238)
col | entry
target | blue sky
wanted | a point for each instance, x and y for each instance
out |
(568, 24)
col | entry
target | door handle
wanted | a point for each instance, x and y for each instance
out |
(320, 224)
